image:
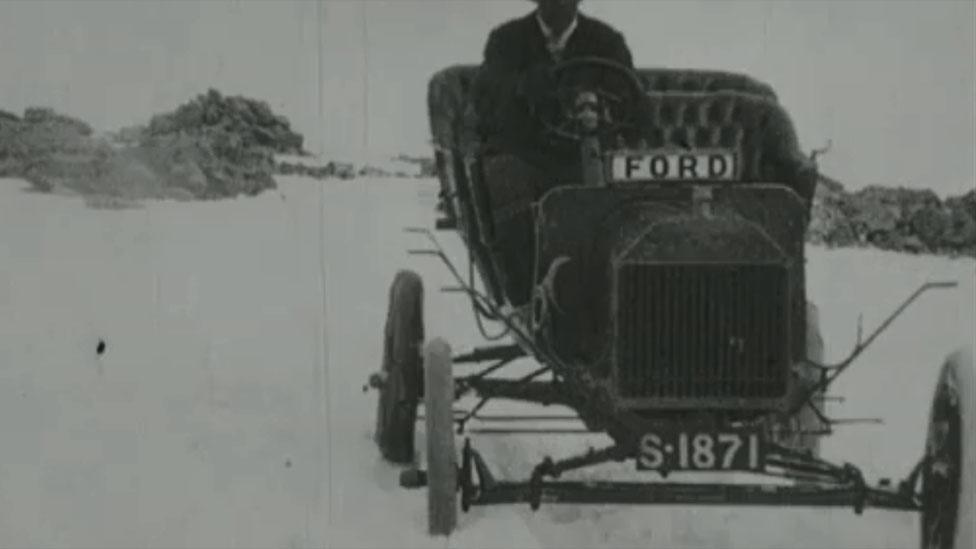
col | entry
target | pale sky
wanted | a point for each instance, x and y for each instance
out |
(892, 83)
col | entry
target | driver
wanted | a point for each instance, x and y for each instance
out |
(519, 165)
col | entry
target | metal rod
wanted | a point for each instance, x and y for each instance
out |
(465, 382)
(484, 400)
(527, 431)
(474, 411)
(861, 346)
(480, 301)
(837, 369)
(654, 493)
(512, 418)
(530, 376)
(516, 417)
(819, 413)
(491, 353)
(854, 420)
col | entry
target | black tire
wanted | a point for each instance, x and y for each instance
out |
(949, 470)
(400, 391)
(442, 470)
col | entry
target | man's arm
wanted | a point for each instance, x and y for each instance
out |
(618, 51)
(496, 84)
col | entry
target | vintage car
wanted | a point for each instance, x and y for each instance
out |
(668, 310)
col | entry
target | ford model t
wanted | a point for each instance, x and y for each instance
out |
(667, 309)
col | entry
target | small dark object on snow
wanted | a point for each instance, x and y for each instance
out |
(100, 349)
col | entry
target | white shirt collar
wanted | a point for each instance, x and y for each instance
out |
(556, 44)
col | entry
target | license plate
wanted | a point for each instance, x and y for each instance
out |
(673, 166)
(702, 450)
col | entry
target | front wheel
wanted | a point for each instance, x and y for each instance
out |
(948, 475)
(442, 470)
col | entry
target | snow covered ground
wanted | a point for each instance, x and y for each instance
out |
(227, 411)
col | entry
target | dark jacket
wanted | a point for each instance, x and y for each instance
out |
(512, 49)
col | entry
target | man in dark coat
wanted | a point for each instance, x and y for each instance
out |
(519, 165)
(514, 71)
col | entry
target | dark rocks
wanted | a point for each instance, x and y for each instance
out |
(897, 219)
(250, 121)
(45, 116)
(372, 171)
(6, 116)
(211, 147)
(34, 140)
(217, 146)
(340, 170)
(403, 167)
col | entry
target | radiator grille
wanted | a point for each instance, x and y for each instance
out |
(702, 331)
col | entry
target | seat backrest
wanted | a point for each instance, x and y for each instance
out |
(451, 119)
(757, 128)
(450, 111)
(687, 108)
(693, 80)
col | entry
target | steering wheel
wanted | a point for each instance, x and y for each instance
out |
(590, 96)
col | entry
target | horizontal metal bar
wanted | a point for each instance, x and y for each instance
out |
(647, 493)
(502, 418)
(526, 431)
(458, 414)
(453, 290)
(484, 354)
(856, 420)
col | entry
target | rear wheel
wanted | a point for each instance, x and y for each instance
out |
(400, 377)
(948, 475)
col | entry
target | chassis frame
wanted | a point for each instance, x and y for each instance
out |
(816, 482)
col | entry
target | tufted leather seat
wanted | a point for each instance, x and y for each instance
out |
(687, 108)
(449, 88)
(447, 94)
(672, 80)
(754, 126)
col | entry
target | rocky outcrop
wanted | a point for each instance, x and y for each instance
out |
(217, 146)
(251, 122)
(893, 218)
(41, 137)
(402, 167)
(53, 151)
(211, 147)
(331, 170)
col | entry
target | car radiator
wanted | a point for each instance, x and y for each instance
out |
(703, 331)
